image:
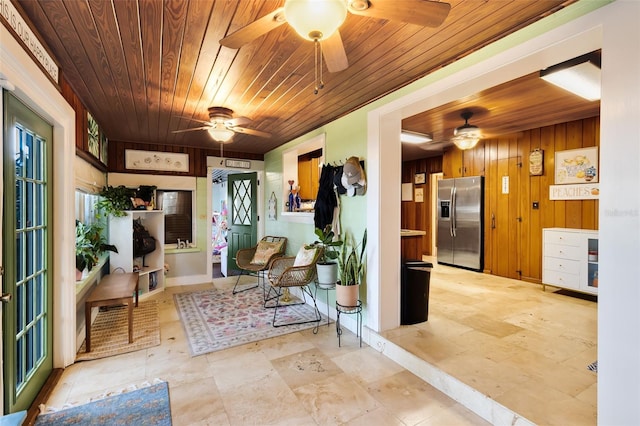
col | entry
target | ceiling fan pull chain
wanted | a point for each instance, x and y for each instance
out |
(320, 66)
(317, 66)
(316, 45)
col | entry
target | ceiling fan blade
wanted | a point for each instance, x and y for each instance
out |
(334, 54)
(192, 119)
(420, 12)
(191, 129)
(257, 28)
(237, 121)
(250, 132)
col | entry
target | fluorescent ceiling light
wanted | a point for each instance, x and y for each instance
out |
(414, 137)
(580, 76)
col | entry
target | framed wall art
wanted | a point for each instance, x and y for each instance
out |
(420, 178)
(156, 160)
(576, 166)
(93, 136)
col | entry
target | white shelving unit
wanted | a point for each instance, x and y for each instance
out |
(570, 259)
(121, 235)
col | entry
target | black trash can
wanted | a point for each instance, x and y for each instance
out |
(414, 291)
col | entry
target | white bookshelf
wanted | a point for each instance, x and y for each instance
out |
(121, 235)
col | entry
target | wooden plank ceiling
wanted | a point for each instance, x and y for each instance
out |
(145, 68)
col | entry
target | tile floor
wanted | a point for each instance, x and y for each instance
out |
(525, 348)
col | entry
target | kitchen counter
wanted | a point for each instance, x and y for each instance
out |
(411, 244)
(412, 233)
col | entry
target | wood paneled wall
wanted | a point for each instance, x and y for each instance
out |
(82, 136)
(418, 215)
(197, 157)
(513, 227)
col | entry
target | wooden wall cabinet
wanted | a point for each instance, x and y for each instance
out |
(121, 235)
(309, 178)
(570, 259)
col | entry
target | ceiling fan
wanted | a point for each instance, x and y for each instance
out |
(222, 125)
(319, 20)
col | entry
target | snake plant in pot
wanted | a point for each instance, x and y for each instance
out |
(326, 266)
(352, 270)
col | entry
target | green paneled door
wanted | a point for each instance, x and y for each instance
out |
(26, 254)
(243, 210)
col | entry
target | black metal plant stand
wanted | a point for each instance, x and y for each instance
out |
(357, 310)
(326, 288)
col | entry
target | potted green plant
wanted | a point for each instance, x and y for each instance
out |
(352, 270)
(90, 244)
(115, 200)
(326, 266)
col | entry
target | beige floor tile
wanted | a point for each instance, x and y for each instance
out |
(378, 417)
(303, 368)
(456, 415)
(335, 400)
(367, 365)
(409, 398)
(288, 344)
(197, 402)
(267, 400)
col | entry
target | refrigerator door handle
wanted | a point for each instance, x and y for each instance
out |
(453, 212)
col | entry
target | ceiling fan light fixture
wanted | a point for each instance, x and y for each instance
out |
(466, 136)
(407, 136)
(220, 133)
(315, 19)
(580, 76)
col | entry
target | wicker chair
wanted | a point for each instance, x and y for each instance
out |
(282, 276)
(257, 260)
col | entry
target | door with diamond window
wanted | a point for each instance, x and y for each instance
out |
(243, 211)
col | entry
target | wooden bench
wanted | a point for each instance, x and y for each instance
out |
(113, 289)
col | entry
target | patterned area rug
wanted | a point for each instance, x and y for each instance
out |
(217, 319)
(109, 331)
(146, 406)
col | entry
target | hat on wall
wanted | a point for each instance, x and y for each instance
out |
(353, 178)
(352, 170)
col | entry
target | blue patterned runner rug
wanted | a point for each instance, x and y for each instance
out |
(145, 406)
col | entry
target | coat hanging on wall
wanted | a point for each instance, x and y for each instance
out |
(326, 199)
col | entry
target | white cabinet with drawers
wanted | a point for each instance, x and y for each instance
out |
(570, 259)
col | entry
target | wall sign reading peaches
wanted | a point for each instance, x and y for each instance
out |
(580, 191)
(577, 166)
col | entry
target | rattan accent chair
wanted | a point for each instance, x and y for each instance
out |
(257, 260)
(283, 275)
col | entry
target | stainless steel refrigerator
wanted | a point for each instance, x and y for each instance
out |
(460, 222)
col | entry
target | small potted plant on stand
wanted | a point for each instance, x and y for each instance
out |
(352, 271)
(326, 266)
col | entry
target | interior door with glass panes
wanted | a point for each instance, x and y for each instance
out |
(26, 254)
